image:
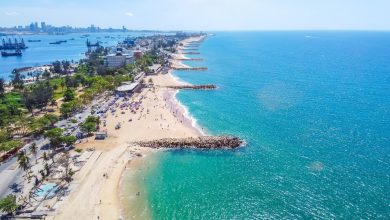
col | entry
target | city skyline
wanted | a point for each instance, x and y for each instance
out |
(202, 15)
(43, 27)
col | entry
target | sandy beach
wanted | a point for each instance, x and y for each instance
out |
(95, 191)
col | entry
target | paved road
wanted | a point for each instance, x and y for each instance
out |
(12, 175)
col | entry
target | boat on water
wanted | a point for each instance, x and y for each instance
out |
(58, 42)
(9, 45)
(97, 44)
(17, 52)
(34, 40)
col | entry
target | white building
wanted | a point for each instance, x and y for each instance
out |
(155, 69)
(118, 59)
(127, 88)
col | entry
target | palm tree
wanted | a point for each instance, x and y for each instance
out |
(62, 84)
(8, 204)
(45, 157)
(47, 168)
(24, 162)
(33, 149)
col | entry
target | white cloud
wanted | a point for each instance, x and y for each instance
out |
(130, 14)
(11, 13)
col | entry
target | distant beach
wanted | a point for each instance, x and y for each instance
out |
(160, 115)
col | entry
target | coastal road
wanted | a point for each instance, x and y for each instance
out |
(11, 176)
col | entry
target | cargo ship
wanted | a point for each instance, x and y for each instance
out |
(59, 42)
(9, 54)
(9, 45)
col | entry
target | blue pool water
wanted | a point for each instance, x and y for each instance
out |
(47, 189)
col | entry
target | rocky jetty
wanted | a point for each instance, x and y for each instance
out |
(189, 49)
(190, 53)
(189, 59)
(191, 68)
(204, 142)
(195, 87)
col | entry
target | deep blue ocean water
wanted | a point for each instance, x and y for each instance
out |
(314, 108)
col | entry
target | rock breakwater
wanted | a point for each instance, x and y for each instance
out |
(204, 142)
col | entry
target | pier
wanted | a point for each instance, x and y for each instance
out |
(190, 53)
(191, 68)
(189, 49)
(194, 43)
(195, 87)
(204, 142)
(191, 46)
(190, 59)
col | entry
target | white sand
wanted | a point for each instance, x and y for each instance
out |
(160, 116)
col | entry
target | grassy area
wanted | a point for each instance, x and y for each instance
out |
(12, 97)
(9, 145)
(56, 83)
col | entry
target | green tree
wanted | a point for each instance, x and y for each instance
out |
(55, 137)
(24, 162)
(46, 74)
(69, 95)
(2, 87)
(45, 157)
(69, 140)
(57, 67)
(34, 149)
(88, 127)
(17, 80)
(37, 97)
(8, 204)
(62, 84)
(66, 109)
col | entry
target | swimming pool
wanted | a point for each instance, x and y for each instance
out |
(46, 189)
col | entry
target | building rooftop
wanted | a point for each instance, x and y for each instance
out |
(155, 67)
(118, 54)
(127, 88)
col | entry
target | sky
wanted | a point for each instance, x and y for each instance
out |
(202, 14)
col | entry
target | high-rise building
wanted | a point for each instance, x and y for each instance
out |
(43, 26)
(31, 27)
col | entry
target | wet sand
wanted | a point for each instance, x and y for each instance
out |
(96, 191)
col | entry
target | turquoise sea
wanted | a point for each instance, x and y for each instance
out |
(314, 108)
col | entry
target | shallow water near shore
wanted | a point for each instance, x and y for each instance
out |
(314, 108)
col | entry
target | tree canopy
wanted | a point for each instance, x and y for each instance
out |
(8, 204)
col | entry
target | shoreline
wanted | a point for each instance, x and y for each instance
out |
(161, 115)
(193, 121)
(130, 176)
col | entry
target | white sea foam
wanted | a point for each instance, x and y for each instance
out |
(187, 114)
